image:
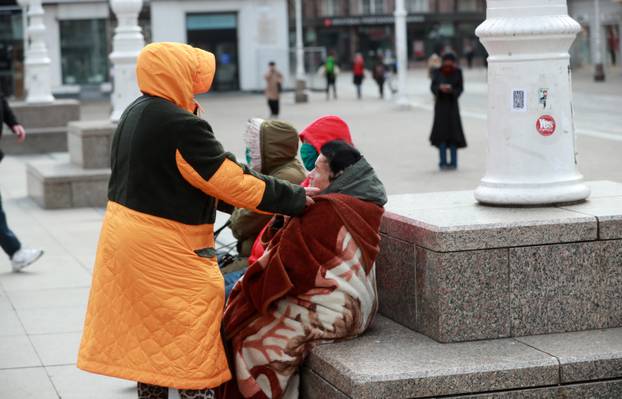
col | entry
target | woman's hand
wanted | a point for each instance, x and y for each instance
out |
(311, 192)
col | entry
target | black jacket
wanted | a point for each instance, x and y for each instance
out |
(447, 127)
(6, 115)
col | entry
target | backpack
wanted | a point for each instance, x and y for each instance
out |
(329, 67)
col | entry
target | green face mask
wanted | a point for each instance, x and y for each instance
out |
(248, 156)
(309, 156)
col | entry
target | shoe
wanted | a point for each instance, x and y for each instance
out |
(25, 257)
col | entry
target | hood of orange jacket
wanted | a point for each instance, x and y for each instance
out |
(175, 72)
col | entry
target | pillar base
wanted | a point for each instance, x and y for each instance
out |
(301, 95)
(530, 194)
(599, 73)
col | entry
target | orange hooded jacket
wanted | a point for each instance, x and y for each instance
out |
(157, 295)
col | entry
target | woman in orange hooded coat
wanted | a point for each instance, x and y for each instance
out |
(157, 295)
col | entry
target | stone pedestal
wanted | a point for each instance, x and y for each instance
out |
(45, 124)
(535, 291)
(83, 180)
(301, 95)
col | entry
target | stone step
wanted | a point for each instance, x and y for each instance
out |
(90, 142)
(458, 271)
(55, 184)
(45, 124)
(391, 361)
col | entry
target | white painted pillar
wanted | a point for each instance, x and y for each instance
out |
(402, 53)
(596, 43)
(127, 42)
(531, 138)
(301, 83)
(37, 63)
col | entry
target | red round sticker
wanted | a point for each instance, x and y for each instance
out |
(546, 125)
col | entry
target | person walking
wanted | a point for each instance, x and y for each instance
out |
(358, 73)
(157, 294)
(20, 257)
(330, 72)
(274, 84)
(447, 134)
(379, 75)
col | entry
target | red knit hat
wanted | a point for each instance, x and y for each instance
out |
(325, 129)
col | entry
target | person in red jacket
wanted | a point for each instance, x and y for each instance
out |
(358, 73)
(313, 137)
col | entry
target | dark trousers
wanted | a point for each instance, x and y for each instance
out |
(453, 152)
(274, 107)
(331, 81)
(146, 391)
(380, 83)
(8, 241)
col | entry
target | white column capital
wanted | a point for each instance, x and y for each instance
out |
(37, 62)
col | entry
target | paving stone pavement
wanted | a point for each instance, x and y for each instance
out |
(42, 309)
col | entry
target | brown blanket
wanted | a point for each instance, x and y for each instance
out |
(315, 283)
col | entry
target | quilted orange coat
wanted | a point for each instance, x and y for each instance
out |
(157, 295)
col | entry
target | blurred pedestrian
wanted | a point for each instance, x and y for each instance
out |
(330, 70)
(469, 53)
(20, 256)
(447, 86)
(379, 74)
(274, 87)
(358, 73)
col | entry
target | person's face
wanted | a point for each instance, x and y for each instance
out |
(320, 176)
(449, 63)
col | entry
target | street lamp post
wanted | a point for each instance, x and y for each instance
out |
(531, 138)
(402, 53)
(596, 36)
(301, 84)
(127, 43)
(37, 61)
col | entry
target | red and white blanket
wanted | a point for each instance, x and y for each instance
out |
(314, 284)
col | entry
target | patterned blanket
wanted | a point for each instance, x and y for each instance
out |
(314, 284)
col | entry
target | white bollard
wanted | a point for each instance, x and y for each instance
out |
(301, 95)
(531, 138)
(37, 61)
(127, 43)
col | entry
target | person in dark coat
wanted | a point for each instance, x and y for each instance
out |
(447, 86)
(379, 75)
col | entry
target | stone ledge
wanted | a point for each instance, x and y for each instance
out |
(56, 184)
(453, 221)
(91, 128)
(55, 114)
(90, 143)
(390, 361)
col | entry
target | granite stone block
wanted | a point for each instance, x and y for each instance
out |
(472, 227)
(395, 275)
(312, 386)
(611, 253)
(608, 212)
(558, 288)
(90, 142)
(55, 114)
(92, 193)
(585, 355)
(593, 390)
(391, 361)
(463, 296)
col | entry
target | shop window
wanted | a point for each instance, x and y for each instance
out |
(373, 7)
(84, 51)
(447, 6)
(418, 5)
(469, 5)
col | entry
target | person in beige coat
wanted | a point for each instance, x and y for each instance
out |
(274, 81)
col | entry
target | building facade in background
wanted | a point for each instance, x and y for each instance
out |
(346, 27)
(243, 34)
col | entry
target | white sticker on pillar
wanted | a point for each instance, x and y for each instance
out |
(519, 100)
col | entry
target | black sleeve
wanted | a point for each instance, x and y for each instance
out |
(7, 114)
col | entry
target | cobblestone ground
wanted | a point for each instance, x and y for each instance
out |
(41, 310)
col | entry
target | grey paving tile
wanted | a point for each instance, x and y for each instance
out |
(72, 383)
(47, 273)
(52, 298)
(26, 383)
(57, 349)
(52, 320)
(16, 351)
(10, 325)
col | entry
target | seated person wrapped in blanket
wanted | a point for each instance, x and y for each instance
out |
(314, 284)
(271, 148)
